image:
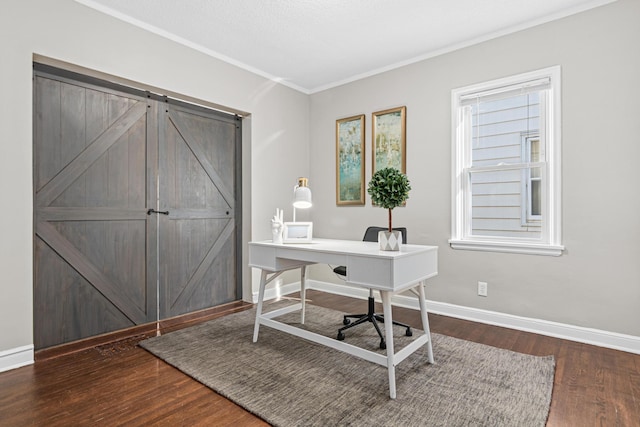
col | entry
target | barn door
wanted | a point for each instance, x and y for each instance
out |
(198, 229)
(136, 201)
(91, 191)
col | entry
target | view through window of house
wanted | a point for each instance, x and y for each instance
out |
(506, 168)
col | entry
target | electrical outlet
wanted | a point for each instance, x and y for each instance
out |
(482, 289)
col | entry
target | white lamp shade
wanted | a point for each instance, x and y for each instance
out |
(302, 198)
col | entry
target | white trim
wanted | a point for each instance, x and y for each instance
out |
(188, 43)
(452, 48)
(277, 291)
(520, 248)
(597, 337)
(16, 357)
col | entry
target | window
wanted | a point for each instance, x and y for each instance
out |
(506, 153)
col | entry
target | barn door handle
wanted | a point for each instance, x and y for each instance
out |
(151, 210)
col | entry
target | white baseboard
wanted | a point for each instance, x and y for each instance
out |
(277, 291)
(16, 357)
(22, 356)
(628, 343)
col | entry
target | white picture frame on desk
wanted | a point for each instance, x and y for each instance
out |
(297, 232)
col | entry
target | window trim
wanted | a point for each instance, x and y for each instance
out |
(527, 217)
(461, 206)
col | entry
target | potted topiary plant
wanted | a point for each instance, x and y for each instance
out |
(389, 188)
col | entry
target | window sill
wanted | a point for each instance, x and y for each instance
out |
(507, 247)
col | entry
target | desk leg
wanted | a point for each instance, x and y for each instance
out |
(303, 291)
(388, 335)
(263, 284)
(425, 320)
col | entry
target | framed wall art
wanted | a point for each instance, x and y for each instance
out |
(389, 139)
(350, 151)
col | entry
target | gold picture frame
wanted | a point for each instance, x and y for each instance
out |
(389, 143)
(350, 158)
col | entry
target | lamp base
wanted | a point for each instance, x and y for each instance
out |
(390, 240)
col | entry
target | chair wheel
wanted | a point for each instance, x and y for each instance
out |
(346, 321)
(340, 336)
(409, 333)
(383, 345)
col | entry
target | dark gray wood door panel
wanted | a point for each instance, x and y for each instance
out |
(198, 238)
(90, 225)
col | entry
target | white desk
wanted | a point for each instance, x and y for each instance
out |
(385, 271)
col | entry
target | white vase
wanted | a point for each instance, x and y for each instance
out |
(390, 240)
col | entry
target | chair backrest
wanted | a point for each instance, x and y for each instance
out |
(371, 234)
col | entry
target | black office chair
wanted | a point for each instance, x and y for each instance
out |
(370, 235)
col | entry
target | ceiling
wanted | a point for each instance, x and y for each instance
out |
(311, 45)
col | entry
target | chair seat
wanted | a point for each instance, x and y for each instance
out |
(341, 270)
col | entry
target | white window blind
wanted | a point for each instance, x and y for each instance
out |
(506, 91)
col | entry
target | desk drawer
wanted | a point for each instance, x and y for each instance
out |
(387, 274)
(269, 258)
(285, 253)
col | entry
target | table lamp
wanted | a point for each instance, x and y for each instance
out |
(301, 196)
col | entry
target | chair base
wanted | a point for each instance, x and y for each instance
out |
(372, 317)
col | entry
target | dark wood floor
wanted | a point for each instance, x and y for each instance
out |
(121, 384)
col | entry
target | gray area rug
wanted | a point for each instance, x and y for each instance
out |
(289, 381)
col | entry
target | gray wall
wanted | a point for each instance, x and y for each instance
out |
(596, 283)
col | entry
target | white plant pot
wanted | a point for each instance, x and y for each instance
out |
(390, 241)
